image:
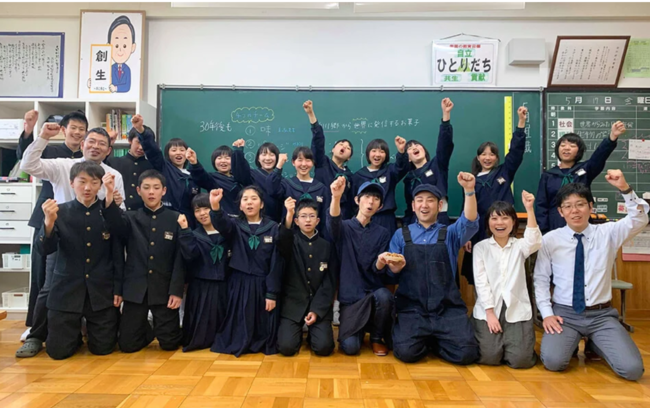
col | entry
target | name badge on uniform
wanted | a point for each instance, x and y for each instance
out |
(581, 172)
(429, 173)
(349, 185)
(106, 236)
(195, 190)
(169, 235)
(323, 266)
(501, 180)
(229, 253)
(268, 240)
(319, 199)
(382, 179)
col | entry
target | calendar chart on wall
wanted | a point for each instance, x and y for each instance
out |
(591, 114)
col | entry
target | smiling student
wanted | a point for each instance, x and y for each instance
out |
(569, 150)
(502, 316)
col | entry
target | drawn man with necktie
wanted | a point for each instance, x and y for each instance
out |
(121, 36)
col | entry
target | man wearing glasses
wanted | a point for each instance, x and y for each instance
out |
(578, 258)
(95, 147)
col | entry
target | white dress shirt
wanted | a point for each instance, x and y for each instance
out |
(57, 171)
(556, 259)
(500, 276)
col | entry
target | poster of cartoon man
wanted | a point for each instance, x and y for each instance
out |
(119, 75)
(121, 37)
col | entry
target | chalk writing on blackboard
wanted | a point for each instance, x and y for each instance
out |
(212, 126)
(252, 115)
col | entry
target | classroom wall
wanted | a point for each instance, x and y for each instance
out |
(374, 53)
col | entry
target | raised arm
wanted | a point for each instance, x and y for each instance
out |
(445, 146)
(467, 181)
(515, 156)
(318, 136)
(532, 240)
(241, 170)
(274, 180)
(27, 137)
(542, 204)
(334, 220)
(596, 163)
(201, 177)
(402, 165)
(221, 221)
(117, 222)
(148, 141)
(33, 164)
(637, 211)
(187, 240)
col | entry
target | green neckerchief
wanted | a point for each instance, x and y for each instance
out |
(254, 239)
(216, 253)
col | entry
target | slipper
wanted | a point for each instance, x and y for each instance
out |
(31, 348)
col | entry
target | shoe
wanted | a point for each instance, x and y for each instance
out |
(31, 348)
(379, 349)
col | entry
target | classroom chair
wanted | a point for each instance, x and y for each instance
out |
(623, 287)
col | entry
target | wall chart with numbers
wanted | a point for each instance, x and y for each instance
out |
(591, 115)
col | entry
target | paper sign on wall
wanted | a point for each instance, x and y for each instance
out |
(465, 63)
(639, 149)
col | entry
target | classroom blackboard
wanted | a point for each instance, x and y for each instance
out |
(590, 114)
(206, 118)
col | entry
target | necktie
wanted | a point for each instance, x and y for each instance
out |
(579, 277)
(119, 71)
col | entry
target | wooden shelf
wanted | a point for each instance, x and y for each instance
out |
(9, 270)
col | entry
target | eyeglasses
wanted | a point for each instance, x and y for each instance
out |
(307, 216)
(93, 142)
(579, 206)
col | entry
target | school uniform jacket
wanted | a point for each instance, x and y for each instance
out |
(90, 259)
(206, 259)
(47, 191)
(388, 176)
(253, 253)
(180, 187)
(131, 168)
(154, 265)
(211, 181)
(326, 171)
(496, 185)
(245, 176)
(548, 217)
(309, 280)
(435, 171)
(292, 187)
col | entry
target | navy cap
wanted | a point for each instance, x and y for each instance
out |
(428, 188)
(371, 185)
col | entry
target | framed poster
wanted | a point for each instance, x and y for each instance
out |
(459, 62)
(110, 55)
(588, 61)
(31, 65)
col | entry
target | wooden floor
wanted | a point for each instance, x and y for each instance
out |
(160, 379)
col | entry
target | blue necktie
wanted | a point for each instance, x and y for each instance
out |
(579, 277)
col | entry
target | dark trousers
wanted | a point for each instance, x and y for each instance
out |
(64, 332)
(320, 337)
(40, 313)
(381, 319)
(136, 333)
(449, 335)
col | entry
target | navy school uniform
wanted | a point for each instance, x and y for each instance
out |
(282, 188)
(181, 189)
(388, 176)
(495, 186)
(308, 286)
(366, 305)
(87, 274)
(154, 270)
(214, 180)
(255, 275)
(434, 172)
(131, 168)
(428, 303)
(206, 255)
(553, 179)
(327, 171)
(245, 176)
(51, 151)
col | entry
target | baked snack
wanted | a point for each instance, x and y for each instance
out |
(394, 257)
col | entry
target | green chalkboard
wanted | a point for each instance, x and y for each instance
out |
(590, 114)
(207, 118)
